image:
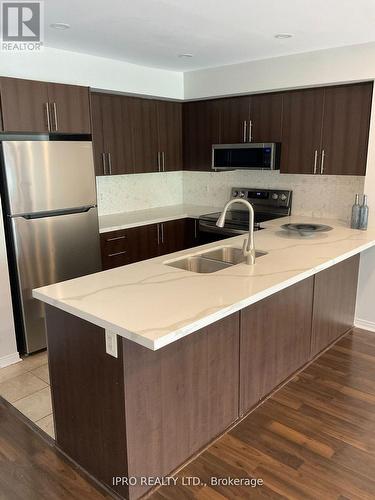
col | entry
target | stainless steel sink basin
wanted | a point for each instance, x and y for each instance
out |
(231, 255)
(212, 260)
(197, 264)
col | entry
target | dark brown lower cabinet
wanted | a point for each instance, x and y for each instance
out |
(126, 246)
(275, 341)
(334, 303)
(145, 412)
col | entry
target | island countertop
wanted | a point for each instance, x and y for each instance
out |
(154, 305)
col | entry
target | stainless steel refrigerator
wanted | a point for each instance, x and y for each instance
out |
(52, 222)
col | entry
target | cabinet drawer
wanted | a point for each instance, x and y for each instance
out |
(114, 249)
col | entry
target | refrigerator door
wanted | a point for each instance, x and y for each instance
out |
(44, 176)
(49, 250)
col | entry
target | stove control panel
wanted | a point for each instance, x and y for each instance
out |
(271, 198)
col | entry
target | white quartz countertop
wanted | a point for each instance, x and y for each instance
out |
(154, 304)
(126, 220)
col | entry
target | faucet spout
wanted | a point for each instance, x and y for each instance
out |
(248, 245)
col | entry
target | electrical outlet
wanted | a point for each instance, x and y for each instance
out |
(111, 343)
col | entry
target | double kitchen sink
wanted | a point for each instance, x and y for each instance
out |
(212, 260)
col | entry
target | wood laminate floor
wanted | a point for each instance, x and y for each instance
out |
(314, 439)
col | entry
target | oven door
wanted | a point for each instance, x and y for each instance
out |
(209, 232)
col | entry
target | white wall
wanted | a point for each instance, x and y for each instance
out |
(8, 348)
(72, 67)
(346, 64)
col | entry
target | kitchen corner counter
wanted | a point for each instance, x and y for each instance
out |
(154, 305)
(127, 220)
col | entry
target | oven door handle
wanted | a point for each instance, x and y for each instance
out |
(208, 228)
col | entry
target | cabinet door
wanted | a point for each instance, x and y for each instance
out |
(301, 131)
(266, 117)
(201, 129)
(234, 119)
(346, 125)
(144, 125)
(69, 108)
(170, 134)
(275, 341)
(335, 294)
(117, 139)
(97, 133)
(173, 236)
(143, 242)
(24, 105)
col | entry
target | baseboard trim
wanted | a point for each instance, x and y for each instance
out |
(364, 324)
(10, 359)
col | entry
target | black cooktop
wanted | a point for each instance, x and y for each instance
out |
(240, 218)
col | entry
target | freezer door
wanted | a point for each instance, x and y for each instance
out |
(46, 176)
(49, 250)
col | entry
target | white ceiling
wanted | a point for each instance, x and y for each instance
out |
(217, 32)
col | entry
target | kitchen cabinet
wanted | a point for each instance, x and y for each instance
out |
(144, 123)
(335, 294)
(301, 131)
(42, 107)
(111, 133)
(345, 132)
(201, 129)
(234, 119)
(266, 117)
(325, 130)
(275, 341)
(126, 246)
(169, 116)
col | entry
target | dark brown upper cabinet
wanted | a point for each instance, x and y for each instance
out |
(234, 119)
(346, 123)
(301, 131)
(41, 107)
(144, 127)
(169, 115)
(69, 108)
(111, 133)
(266, 117)
(201, 129)
(325, 130)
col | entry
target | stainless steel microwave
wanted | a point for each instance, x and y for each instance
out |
(246, 156)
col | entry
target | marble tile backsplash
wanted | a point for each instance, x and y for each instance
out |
(125, 193)
(317, 196)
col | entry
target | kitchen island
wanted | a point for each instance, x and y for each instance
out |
(195, 352)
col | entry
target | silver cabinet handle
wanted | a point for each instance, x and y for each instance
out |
(159, 162)
(55, 116)
(195, 229)
(163, 158)
(117, 253)
(162, 232)
(116, 238)
(250, 131)
(244, 131)
(48, 116)
(158, 232)
(322, 162)
(104, 164)
(110, 163)
(315, 161)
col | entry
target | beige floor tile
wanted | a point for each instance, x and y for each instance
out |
(42, 372)
(21, 386)
(36, 406)
(12, 371)
(35, 360)
(46, 424)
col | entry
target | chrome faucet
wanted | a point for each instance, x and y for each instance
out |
(248, 245)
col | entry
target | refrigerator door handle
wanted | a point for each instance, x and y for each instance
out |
(42, 215)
